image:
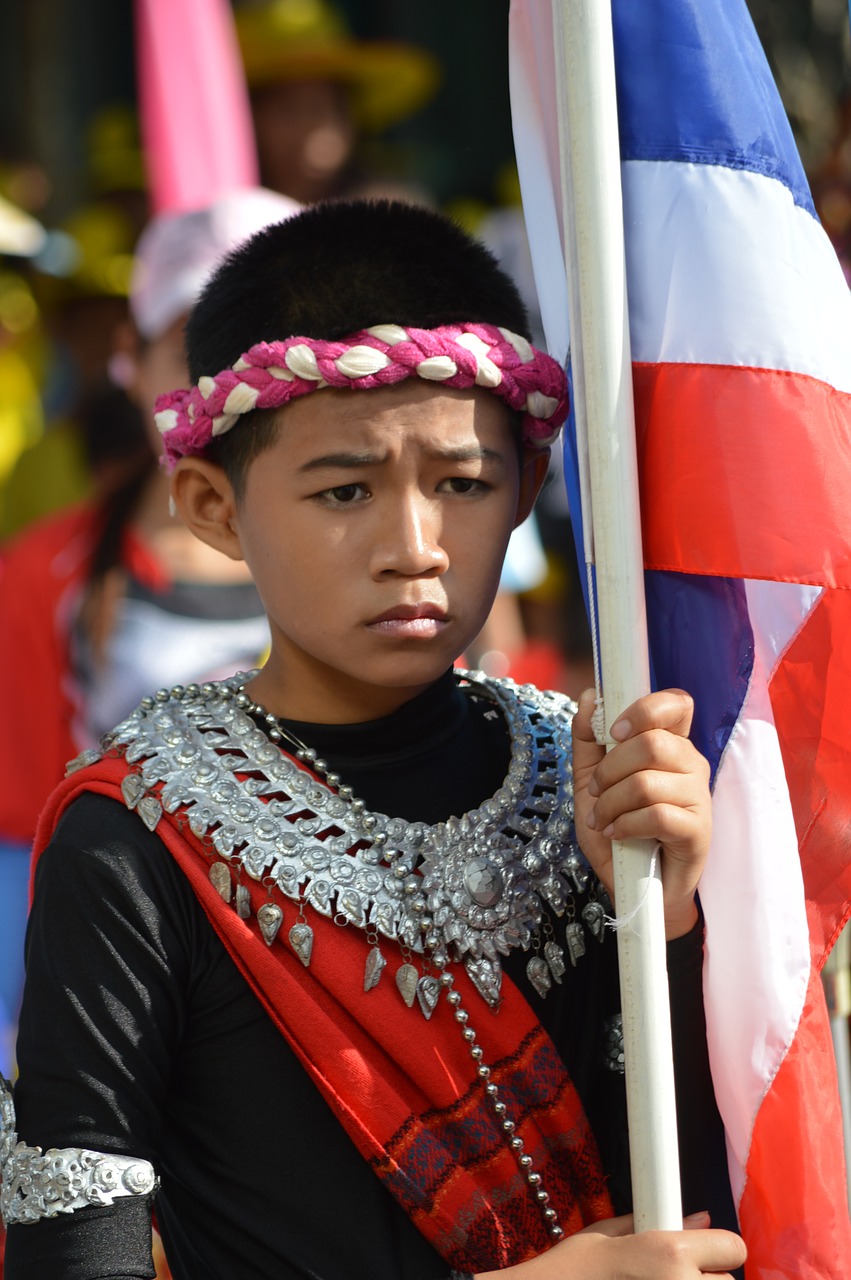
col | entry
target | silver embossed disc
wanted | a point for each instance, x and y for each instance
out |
(150, 811)
(484, 882)
(270, 917)
(575, 939)
(301, 938)
(538, 973)
(428, 990)
(594, 916)
(554, 957)
(375, 962)
(406, 980)
(243, 902)
(132, 789)
(221, 881)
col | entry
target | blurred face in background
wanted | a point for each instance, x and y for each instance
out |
(305, 137)
(159, 365)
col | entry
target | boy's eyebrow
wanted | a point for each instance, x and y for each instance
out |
(463, 453)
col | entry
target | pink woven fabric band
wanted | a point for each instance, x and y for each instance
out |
(273, 373)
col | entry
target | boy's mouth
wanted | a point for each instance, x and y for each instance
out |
(410, 620)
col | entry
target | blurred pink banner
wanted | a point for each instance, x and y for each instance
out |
(195, 116)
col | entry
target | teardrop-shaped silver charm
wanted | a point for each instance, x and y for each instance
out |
(538, 973)
(574, 936)
(221, 881)
(132, 789)
(595, 917)
(301, 939)
(554, 957)
(487, 978)
(428, 990)
(243, 902)
(90, 755)
(406, 980)
(375, 962)
(150, 811)
(270, 917)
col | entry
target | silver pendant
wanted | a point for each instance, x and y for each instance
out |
(132, 789)
(406, 980)
(538, 973)
(595, 917)
(243, 902)
(428, 990)
(90, 755)
(486, 977)
(575, 939)
(221, 881)
(554, 957)
(375, 962)
(270, 917)
(301, 938)
(150, 811)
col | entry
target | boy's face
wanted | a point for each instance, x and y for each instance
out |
(375, 528)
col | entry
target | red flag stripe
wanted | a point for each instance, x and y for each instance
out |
(744, 473)
(783, 1240)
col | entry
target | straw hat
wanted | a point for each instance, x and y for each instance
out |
(308, 40)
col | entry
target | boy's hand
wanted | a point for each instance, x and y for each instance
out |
(653, 784)
(610, 1251)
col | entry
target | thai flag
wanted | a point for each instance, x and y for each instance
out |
(740, 322)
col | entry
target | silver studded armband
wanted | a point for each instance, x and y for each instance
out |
(37, 1184)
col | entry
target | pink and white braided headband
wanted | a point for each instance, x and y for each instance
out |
(457, 355)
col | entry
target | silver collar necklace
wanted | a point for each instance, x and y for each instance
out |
(466, 890)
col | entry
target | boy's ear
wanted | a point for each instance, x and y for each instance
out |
(533, 473)
(206, 504)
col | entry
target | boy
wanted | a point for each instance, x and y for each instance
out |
(353, 1035)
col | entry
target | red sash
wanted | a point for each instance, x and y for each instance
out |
(404, 1089)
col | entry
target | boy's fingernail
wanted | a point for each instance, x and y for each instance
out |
(591, 820)
(586, 699)
(697, 1219)
(621, 729)
(593, 789)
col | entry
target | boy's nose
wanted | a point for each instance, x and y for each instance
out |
(410, 541)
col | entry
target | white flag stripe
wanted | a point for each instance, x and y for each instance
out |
(724, 268)
(536, 144)
(757, 941)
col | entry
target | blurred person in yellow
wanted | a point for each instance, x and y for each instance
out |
(315, 90)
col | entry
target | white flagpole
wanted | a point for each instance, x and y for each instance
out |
(594, 251)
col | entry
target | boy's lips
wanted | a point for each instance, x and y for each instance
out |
(424, 620)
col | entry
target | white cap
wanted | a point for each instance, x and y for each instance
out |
(178, 252)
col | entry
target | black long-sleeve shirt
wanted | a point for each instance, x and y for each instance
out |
(139, 1036)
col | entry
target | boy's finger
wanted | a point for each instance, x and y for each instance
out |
(656, 751)
(670, 709)
(587, 752)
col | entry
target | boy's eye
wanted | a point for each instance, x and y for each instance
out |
(343, 494)
(463, 484)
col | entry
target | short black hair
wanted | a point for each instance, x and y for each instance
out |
(331, 270)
